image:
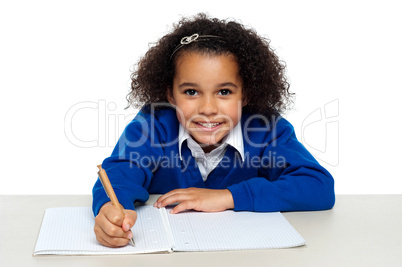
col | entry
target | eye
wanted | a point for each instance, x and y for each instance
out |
(191, 92)
(225, 92)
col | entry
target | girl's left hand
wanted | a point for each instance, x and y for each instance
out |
(200, 199)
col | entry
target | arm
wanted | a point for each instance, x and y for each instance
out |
(294, 181)
(130, 177)
(200, 199)
(129, 174)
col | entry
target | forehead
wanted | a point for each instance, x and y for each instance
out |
(203, 66)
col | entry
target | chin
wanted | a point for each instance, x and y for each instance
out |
(207, 141)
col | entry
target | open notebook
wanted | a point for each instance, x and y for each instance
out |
(69, 231)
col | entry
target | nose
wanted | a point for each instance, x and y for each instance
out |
(207, 106)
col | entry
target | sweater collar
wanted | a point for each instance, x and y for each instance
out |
(234, 139)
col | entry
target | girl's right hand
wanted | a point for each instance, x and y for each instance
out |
(111, 228)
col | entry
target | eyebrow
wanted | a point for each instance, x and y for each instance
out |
(226, 84)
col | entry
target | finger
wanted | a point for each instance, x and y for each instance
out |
(187, 205)
(113, 242)
(130, 217)
(162, 200)
(164, 196)
(105, 238)
(104, 242)
(112, 214)
(176, 198)
(176, 191)
(108, 227)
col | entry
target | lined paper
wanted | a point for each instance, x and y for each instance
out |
(69, 231)
(230, 230)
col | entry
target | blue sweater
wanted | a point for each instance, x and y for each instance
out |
(276, 174)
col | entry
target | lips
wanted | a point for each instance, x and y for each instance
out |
(209, 124)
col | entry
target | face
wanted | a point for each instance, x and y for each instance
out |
(207, 93)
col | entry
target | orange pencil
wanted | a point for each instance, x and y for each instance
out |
(110, 192)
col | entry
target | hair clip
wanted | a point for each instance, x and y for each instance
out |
(189, 39)
(192, 38)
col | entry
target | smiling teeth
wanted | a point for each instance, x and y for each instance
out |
(209, 125)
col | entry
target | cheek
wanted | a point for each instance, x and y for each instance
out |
(183, 113)
(234, 112)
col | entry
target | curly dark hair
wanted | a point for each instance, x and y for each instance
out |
(264, 82)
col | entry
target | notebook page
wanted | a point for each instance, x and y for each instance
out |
(229, 230)
(69, 231)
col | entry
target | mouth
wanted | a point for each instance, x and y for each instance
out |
(209, 125)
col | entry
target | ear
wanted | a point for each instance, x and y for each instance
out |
(169, 96)
(244, 102)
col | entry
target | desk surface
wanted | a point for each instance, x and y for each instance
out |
(361, 230)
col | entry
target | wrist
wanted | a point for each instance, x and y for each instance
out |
(229, 203)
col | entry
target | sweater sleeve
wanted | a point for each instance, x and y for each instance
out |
(131, 165)
(289, 180)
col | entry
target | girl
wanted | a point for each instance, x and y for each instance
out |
(209, 136)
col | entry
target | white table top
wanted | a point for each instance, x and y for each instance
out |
(361, 230)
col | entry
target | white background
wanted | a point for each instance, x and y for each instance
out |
(65, 69)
